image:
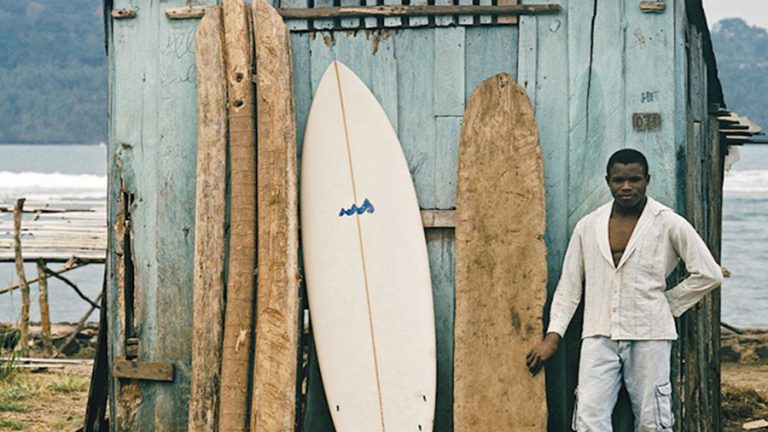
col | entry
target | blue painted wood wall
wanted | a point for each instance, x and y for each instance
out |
(586, 69)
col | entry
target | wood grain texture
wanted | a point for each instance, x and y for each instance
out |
(23, 344)
(235, 367)
(277, 316)
(149, 371)
(501, 269)
(210, 207)
(45, 315)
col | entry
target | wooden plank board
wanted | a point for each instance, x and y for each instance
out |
(273, 401)
(501, 267)
(210, 208)
(235, 367)
(148, 371)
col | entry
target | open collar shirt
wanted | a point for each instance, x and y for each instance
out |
(630, 301)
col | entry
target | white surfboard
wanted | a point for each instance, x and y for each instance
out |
(366, 264)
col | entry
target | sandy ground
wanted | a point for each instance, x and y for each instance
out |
(52, 400)
(745, 395)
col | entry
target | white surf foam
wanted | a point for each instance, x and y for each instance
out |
(746, 181)
(37, 185)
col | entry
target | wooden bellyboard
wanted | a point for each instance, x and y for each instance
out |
(366, 265)
(273, 402)
(210, 208)
(501, 267)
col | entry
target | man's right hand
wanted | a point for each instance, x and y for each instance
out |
(542, 352)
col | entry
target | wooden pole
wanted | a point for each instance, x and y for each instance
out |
(210, 209)
(23, 346)
(45, 317)
(238, 331)
(415, 10)
(273, 404)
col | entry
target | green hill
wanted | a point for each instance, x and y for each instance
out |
(53, 74)
(742, 64)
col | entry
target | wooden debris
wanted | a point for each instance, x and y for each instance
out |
(757, 424)
(186, 12)
(415, 10)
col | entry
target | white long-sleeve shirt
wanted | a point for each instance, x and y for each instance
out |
(630, 301)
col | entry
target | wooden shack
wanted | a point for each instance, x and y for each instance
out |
(601, 74)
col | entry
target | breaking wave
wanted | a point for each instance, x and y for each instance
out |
(37, 185)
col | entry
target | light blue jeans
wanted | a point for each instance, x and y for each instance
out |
(643, 366)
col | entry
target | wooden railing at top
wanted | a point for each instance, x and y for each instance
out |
(74, 239)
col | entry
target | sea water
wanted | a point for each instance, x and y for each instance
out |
(79, 171)
(55, 172)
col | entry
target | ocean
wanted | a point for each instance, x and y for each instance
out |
(79, 171)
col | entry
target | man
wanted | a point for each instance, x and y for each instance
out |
(619, 256)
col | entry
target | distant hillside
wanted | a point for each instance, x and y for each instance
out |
(742, 63)
(53, 74)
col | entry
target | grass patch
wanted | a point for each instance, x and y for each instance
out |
(12, 395)
(12, 424)
(67, 383)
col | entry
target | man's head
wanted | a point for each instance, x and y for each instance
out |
(627, 177)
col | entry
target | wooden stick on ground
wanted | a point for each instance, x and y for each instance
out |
(273, 403)
(23, 346)
(210, 204)
(45, 316)
(238, 330)
(79, 327)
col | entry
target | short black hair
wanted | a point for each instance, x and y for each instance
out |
(626, 156)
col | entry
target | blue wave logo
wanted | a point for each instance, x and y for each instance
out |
(367, 207)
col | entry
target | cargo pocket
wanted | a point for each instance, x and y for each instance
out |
(575, 417)
(664, 417)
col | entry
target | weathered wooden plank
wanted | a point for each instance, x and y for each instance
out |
(440, 246)
(148, 371)
(651, 40)
(371, 22)
(392, 21)
(17, 249)
(210, 207)
(185, 12)
(417, 128)
(446, 161)
(500, 156)
(444, 20)
(549, 90)
(173, 219)
(489, 51)
(235, 366)
(438, 218)
(274, 375)
(384, 75)
(449, 72)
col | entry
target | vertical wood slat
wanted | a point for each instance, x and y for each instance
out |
(173, 218)
(485, 19)
(45, 316)
(449, 72)
(235, 369)
(274, 371)
(543, 55)
(210, 208)
(18, 212)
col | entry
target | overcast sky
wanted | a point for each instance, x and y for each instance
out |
(754, 12)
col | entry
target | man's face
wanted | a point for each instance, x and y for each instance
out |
(628, 183)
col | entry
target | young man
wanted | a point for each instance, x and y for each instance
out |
(619, 256)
